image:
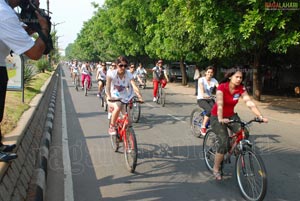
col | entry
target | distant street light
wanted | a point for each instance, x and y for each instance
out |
(55, 24)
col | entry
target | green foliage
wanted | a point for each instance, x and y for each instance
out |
(42, 65)
(192, 30)
(28, 73)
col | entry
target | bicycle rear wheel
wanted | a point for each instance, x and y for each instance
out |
(130, 150)
(251, 175)
(85, 87)
(196, 120)
(210, 143)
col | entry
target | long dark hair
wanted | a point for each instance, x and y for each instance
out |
(230, 72)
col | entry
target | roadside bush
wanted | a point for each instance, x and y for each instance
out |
(42, 65)
(29, 72)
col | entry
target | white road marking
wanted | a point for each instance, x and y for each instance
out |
(178, 119)
(68, 181)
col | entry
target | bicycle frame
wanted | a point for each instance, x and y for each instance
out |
(126, 134)
(239, 136)
(122, 124)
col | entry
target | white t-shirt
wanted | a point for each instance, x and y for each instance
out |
(12, 34)
(121, 88)
(140, 71)
(75, 69)
(102, 74)
(84, 70)
(207, 87)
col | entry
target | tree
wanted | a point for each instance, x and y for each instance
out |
(264, 30)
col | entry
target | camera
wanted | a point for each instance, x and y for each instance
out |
(28, 16)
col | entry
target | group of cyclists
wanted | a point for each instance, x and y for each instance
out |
(118, 81)
(121, 78)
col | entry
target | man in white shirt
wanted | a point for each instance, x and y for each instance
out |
(14, 37)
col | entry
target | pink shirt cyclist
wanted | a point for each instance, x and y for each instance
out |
(85, 74)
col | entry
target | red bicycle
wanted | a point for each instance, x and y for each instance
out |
(125, 134)
(250, 171)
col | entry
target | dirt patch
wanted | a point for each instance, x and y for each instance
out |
(282, 101)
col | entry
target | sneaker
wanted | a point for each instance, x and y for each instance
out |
(112, 130)
(203, 131)
(154, 99)
(7, 148)
(6, 157)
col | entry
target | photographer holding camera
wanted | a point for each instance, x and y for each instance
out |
(15, 36)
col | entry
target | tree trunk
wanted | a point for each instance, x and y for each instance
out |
(183, 73)
(256, 78)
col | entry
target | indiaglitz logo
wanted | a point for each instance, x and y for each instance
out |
(282, 5)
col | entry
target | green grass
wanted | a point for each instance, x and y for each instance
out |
(14, 107)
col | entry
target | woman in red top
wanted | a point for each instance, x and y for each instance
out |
(228, 94)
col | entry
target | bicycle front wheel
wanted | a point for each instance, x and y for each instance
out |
(130, 150)
(251, 175)
(136, 112)
(158, 100)
(196, 120)
(210, 144)
(76, 83)
(163, 97)
(115, 142)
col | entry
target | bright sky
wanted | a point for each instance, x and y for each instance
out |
(69, 15)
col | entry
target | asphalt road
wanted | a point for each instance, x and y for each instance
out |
(170, 163)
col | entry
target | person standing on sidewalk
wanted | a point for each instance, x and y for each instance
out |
(13, 36)
(197, 75)
(159, 76)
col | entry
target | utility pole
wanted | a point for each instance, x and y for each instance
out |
(48, 8)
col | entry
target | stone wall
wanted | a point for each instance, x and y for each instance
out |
(33, 136)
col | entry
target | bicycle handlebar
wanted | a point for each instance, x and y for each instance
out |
(119, 100)
(256, 119)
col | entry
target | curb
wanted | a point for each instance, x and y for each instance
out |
(42, 158)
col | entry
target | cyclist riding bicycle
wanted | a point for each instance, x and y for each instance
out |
(206, 85)
(120, 85)
(229, 92)
(75, 71)
(85, 74)
(140, 73)
(159, 76)
(101, 77)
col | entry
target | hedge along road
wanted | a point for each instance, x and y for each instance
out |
(170, 163)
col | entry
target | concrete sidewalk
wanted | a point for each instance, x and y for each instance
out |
(290, 104)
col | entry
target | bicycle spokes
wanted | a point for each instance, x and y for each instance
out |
(251, 175)
(130, 150)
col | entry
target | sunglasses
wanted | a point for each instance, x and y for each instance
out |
(122, 65)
